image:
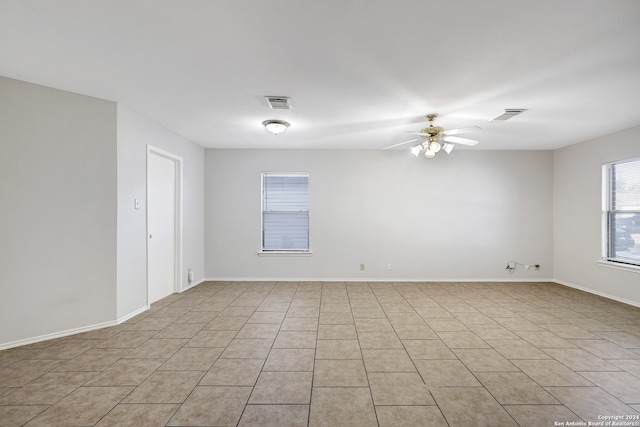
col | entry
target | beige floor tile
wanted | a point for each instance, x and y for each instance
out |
(275, 416)
(462, 340)
(259, 330)
(231, 323)
(410, 416)
(165, 387)
(476, 319)
(138, 415)
(482, 360)
(300, 324)
(48, 389)
(306, 302)
(410, 318)
(334, 307)
(623, 339)
(23, 372)
(446, 325)
(295, 339)
(493, 332)
(267, 317)
(542, 415)
(379, 340)
(192, 359)
(84, 406)
(93, 360)
(605, 349)
(373, 311)
(198, 317)
(544, 339)
(180, 330)
(445, 373)
(515, 388)
(436, 312)
(631, 366)
(394, 360)
(589, 402)
(339, 373)
(233, 372)
(212, 406)
(126, 339)
(282, 388)
(126, 372)
(337, 332)
(342, 406)
(208, 338)
(290, 359)
(578, 359)
(517, 349)
(471, 406)
(250, 348)
(398, 389)
(304, 312)
(427, 349)
(373, 325)
(415, 332)
(156, 349)
(621, 385)
(518, 324)
(551, 373)
(338, 349)
(331, 318)
(237, 311)
(11, 416)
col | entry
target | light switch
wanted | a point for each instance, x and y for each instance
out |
(136, 204)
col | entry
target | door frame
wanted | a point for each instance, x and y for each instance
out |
(177, 280)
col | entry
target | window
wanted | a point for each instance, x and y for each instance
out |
(622, 213)
(285, 212)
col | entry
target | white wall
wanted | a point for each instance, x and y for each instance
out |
(57, 211)
(578, 216)
(462, 216)
(135, 132)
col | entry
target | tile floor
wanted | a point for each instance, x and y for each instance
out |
(339, 354)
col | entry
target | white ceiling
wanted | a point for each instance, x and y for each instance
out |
(359, 72)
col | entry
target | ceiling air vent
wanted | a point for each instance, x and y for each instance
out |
(279, 102)
(508, 113)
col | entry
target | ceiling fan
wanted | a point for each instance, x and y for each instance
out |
(435, 138)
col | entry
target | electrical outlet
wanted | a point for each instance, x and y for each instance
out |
(389, 267)
(362, 267)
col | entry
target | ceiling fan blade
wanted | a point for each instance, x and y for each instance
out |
(415, 132)
(402, 143)
(458, 140)
(462, 130)
(447, 148)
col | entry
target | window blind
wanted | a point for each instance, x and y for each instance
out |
(285, 212)
(623, 214)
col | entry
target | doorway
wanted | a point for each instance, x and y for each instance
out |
(164, 208)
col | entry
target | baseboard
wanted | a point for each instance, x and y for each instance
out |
(191, 285)
(376, 279)
(133, 314)
(55, 335)
(600, 294)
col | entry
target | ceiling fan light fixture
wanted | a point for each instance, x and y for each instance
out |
(275, 126)
(429, 154)
(416, 150)
(435, 146)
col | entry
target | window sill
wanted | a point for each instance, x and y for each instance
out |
(618, 266)
(285, 253)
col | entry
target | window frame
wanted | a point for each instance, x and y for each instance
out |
(283, 251)
(608, 218)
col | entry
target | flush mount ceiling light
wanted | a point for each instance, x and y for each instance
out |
(275, 126)
(434, 138)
